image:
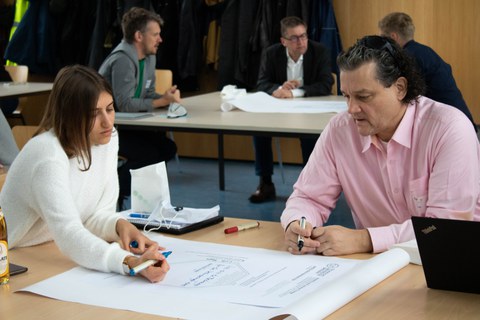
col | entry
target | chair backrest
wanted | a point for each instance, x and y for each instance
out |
(163, 80)
(22, 134)
(334, 86)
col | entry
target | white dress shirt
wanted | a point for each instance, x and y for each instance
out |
(295, 72)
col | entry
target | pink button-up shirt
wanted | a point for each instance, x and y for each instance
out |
(429, 168)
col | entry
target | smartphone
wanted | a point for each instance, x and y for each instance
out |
(17, 269)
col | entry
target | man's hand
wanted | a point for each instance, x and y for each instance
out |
(338, 240)
(173, 94)
(291, 238)
(282, 93)
(291, 84)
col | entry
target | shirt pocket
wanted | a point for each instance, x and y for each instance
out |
(419, 195)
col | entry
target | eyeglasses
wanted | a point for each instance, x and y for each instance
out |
(378, 43)
(302, 37)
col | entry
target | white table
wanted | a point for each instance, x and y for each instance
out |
(205, 116)
(11, 90)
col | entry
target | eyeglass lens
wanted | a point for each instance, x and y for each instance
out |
(298, 38)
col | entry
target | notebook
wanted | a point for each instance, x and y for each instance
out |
(450, 251)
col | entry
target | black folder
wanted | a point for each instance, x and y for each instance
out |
(174, 227)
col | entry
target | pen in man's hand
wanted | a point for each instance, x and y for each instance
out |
(144, 265)
(300, 241)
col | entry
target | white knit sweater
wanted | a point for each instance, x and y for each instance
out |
(47, 197)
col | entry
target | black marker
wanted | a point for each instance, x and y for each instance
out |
(303, 224)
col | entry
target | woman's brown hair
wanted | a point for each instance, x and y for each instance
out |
(70, 110)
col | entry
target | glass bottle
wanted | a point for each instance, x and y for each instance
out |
(4, 267)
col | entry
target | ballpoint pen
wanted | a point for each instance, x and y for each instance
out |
(300, 240)
(144, 265)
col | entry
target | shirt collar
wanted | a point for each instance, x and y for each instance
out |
(403, 134)
(290, 60)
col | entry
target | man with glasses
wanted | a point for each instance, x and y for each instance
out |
(130, 69)
(295, 67)
(394, 154)
(437, 73)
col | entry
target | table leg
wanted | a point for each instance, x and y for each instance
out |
(221, 163)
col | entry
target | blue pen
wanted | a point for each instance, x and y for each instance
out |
(134, 244)
(144, 265)
(139, 215)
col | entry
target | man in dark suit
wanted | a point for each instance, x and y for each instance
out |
(441, 85)
(296, 67)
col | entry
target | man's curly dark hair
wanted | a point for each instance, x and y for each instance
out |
(392, 62)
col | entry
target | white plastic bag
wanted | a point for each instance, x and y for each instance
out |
(149, 187)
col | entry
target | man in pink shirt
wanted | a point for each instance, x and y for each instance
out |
(395, 154)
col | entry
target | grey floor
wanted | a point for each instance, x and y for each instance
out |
(195, 184)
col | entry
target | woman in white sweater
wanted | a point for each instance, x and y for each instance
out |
(63, 185)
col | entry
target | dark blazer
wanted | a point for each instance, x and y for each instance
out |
(441, 85)
(317, 71)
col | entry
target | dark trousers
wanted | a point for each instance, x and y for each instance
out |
(141, 148)
(264, 154)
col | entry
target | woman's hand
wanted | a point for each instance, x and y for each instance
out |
(129, 234)
(153, 273)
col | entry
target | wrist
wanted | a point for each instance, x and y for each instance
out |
(366, 241)
(118, 225)
(160, 102)
(127, 264)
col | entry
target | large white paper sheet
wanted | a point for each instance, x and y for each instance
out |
(210, 281)
(411, 248)
(262, 102)
(336, 294)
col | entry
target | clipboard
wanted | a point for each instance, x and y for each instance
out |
(174, 227)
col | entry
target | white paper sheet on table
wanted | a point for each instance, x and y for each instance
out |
(262, 102)
(411, 248)
(212, 281)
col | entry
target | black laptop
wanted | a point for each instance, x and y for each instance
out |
(450, 253)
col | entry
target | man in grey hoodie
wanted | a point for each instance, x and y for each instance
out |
(130, 69)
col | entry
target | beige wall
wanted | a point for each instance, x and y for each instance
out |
(450, 27)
